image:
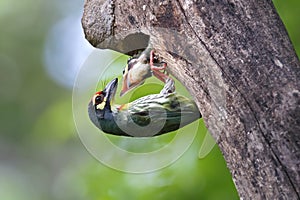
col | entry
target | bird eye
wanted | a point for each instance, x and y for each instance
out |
(123, 71)
(98, 99)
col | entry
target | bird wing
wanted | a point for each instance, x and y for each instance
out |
(155, 108)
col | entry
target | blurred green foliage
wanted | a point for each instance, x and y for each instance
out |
(289, 13)
(41, 156)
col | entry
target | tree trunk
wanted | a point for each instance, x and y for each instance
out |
(237, 61)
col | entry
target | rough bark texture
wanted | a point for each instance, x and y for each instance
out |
(237, 61)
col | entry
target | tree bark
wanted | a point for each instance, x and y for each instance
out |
(237, 61)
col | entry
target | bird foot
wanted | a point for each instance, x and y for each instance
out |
(169, 87)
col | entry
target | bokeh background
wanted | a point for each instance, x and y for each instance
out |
(42, 47)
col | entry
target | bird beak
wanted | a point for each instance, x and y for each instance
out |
(125, 87)
(110, 90)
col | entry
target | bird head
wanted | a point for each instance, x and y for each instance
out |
(100, 105)
(125, 80)
(135, 73)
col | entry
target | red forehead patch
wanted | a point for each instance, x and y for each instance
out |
(98, 93)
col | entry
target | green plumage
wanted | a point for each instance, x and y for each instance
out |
(149, 115)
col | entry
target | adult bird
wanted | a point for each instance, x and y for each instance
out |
(147, 116)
